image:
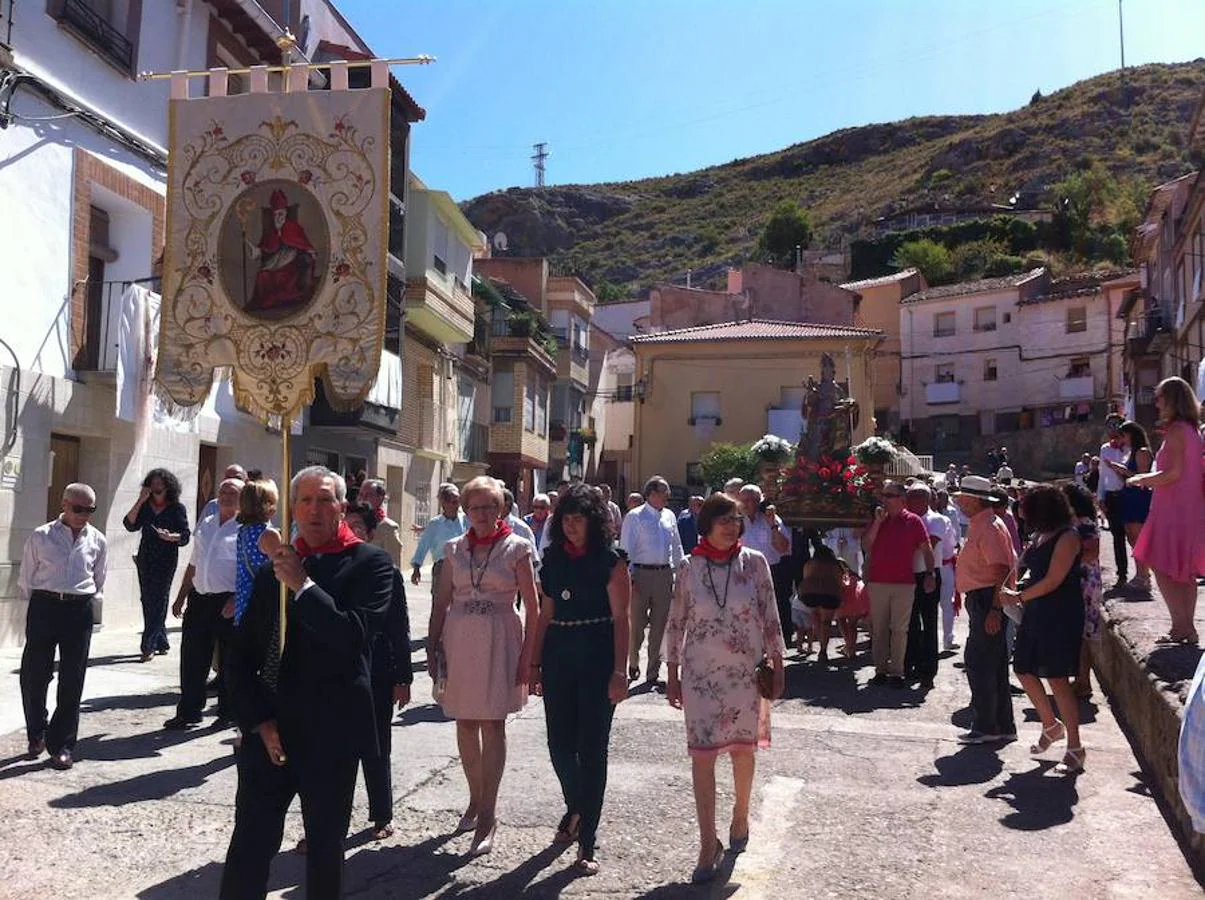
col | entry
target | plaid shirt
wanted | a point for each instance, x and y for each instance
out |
(1192, 750)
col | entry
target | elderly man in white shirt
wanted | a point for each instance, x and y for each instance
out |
(766, 533)
(650, 539)
(62, 574)
(946, 554)
(206, 600)
(922, 655)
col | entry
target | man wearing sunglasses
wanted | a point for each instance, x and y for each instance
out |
(63, 570)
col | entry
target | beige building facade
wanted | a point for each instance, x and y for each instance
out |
(734, 383)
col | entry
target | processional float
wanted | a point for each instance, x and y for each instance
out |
(277, 234)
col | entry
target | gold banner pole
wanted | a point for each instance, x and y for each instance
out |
(286, 530)
(423, 60)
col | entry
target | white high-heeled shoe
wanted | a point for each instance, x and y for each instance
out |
(486, 844)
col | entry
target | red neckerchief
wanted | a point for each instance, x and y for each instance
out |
(501, 530)
(344, 538)
(709, 550)
(379, 512)
(573, 551)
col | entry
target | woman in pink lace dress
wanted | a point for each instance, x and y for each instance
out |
(1172, 541)
(723, 622)
(487, 650)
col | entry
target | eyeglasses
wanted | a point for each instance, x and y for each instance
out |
(82, 510)
(493, 507)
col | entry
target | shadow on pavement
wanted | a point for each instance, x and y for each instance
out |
(129, 701)
(428, 712)
(1038, 801)
(720, 887)
(117, 659)
(148, 786)
(516, 882)
(970, 765)
(134, 746)
(835, 686)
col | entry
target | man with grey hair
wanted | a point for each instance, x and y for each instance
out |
(732, 487)
(766, 533)
(306, 713)
(208, 588)
(449, 525)
(650, 539)
(62, 574)
(372, 492)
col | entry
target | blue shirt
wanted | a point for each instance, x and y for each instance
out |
(1192, 750)
(249, 559)
(688, 530)
(438, 532)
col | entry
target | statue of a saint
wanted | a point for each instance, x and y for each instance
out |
(829, 415)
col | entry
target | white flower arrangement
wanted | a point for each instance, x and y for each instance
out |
(772, 448)
(875, 450)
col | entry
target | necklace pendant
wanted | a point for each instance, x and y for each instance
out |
(566, 595)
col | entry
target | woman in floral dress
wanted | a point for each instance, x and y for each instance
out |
(723, 622)
(1084, 510)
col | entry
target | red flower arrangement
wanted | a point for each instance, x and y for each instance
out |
(829, 477)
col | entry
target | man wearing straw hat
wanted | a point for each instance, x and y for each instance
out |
(987, 561)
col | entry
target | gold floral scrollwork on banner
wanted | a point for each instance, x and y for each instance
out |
(276, 246)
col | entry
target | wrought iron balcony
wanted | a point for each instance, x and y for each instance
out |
(96, 31)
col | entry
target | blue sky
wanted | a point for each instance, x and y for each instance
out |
(624, 89)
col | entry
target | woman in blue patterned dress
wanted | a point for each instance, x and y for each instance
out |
(257, 506)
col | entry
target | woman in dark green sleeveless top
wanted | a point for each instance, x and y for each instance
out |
(580, 649)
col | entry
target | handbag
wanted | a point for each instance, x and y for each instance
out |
(764, 675)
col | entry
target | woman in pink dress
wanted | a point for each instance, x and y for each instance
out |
(722, 623)
(487, 651)
(1172, 541)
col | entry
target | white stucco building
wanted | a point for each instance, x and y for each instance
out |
(1002, 354)
(82, 175)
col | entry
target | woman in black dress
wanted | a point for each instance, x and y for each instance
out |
(163, 521)
(1052, 628)
(580, 646)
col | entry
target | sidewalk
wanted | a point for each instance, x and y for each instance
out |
(1147, 685)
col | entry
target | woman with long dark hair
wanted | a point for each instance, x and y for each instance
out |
(1135, 499)
(163, 521)
(1052, 629)
(580, 647)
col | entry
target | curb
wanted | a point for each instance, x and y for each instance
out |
(1152, 716)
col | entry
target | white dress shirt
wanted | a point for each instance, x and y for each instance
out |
(938, 527)
(757, 537)
(1109, 480)
(55, 560)
(215, 555)
(523, 530)
(846, 543)
(650, 537)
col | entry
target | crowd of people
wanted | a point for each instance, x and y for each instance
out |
(560, 603)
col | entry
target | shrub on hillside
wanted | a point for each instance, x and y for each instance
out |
(934, 261)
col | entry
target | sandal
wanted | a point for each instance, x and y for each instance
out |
(567, 831)
(586, 865)
(1171, 639)
(1049, 737)
(468, 822)
(1073, 761)
(382, 831)
(704, 874)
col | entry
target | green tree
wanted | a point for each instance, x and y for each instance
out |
(606, 292)
(723, 461)
(1081, 200)
(934, 261)
(971, 259)
(789, 227)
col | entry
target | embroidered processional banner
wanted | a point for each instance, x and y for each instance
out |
(277, 221)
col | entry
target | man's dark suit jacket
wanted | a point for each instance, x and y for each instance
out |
(323, 701)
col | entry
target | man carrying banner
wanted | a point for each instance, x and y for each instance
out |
(307, 714)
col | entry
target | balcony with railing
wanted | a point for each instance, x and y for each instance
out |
(572, 362)
(943, 392)
(440, 305)
(397, 237)
(1147, 332)
(91, 27)
(1076, 387)
(102, 325)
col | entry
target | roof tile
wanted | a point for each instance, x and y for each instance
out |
(755, 330)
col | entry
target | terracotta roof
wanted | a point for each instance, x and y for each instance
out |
(1081, 285)
(882, 279)
(755, 330)
(414, 112)
(982, 286)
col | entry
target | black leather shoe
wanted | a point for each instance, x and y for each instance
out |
(879, 680)
(62, 760)
(37, 747)
(179, 723)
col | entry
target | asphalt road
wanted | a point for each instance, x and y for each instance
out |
(864, 794)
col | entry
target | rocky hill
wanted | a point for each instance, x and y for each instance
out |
(635, 233)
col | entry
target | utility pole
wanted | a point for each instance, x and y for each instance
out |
(1121, 31)
(537, 158)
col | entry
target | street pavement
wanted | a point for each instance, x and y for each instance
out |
(864, 794)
